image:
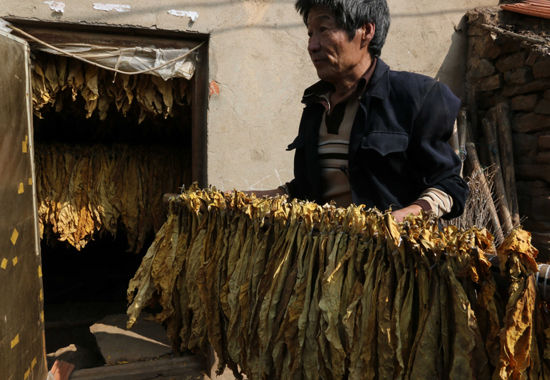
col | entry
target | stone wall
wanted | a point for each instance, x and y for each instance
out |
(506, 63)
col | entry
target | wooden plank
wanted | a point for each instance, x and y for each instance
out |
(188, 367)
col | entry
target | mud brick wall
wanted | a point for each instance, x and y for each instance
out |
(503, 67)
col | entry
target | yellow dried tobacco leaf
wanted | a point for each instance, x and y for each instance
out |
(291, 290)
(52, 80)
(518, 242)
(62, 71)
(517, 333)
(90, 93)
(40, 94)
(165, 89)
(75, 78)
(100, 88)
(86, 189)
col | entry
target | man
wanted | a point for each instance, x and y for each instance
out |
(369, 135)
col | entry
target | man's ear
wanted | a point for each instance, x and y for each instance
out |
(367, 34)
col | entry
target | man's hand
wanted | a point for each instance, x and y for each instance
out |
(400, 214)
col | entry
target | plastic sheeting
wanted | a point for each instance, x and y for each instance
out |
(134, 59)
(21, 296)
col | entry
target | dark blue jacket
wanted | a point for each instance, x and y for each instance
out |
(398, 144)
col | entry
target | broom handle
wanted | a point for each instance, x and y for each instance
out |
(500, 190)
(507, 159)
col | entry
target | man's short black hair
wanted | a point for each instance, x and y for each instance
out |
(353, 14)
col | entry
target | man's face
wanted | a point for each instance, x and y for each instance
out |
(331, 51)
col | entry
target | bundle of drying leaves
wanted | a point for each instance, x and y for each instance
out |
(292, 290)
(85, 190)
(53, 76)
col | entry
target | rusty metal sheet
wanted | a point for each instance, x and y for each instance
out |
(22, 348)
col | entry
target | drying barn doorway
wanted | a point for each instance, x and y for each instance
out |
(107, 146)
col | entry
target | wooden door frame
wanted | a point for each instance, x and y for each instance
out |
(123, 35)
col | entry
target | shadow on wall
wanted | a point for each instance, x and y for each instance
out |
(452, 71)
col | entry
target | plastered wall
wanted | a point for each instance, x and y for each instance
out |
(259, 61)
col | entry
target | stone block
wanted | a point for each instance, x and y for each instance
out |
(489, 83)
(525, 147)
(543, 158)
(544, 142)
(541, 69)
(508, 45)
(533, 172)
(479, 68)
(533, 225)
(524, 204)
(510, 62)
(541, 241)
(476, 31)
(530, 122)
(533, 188)
(518, 76)
(543, 107)
(489, 99)
(541, 207)
(524, 102)
(532, 57)
(533, 86)
(145, 341)
(483, 46)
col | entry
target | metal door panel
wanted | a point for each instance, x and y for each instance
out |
(22, 348)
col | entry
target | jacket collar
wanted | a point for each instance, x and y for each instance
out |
(378, 85)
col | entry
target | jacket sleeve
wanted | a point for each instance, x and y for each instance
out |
(436, 163)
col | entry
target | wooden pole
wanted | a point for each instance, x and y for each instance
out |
(462, 128)
(489, 129)
(507, 159)
(485, 189)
